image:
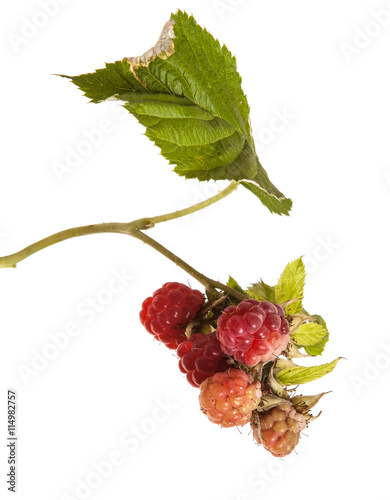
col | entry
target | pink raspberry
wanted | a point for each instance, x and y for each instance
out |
(253, 331)
(279, 429)
(167, 312)
(228, 398)
(200, 357)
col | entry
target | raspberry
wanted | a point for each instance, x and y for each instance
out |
(201, 357)
(167, 312)
(253, 331)
(228, 398)
(280, 429)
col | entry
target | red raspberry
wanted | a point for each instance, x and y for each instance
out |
(228, 398)
(253, 331)
(167, 312)
(201, 357)
(279, 429)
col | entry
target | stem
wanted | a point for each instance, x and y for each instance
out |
(134, 229)
(111, 227)
(148, 222)
(15, 258)
(117, 227)
(208, 283)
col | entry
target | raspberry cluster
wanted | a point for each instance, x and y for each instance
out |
(225, 364)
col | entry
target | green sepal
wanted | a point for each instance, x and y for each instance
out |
(261, 291)
(291, 285)
(269, 401)
(292, 351)
(301, 375)
(305, 403)
(232, 283)
(309, 334)
(317, 349)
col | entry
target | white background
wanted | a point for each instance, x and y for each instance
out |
(307, 60)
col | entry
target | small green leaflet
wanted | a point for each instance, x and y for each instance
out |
(290, 286)
(261, 291)
(233, 284)
(316, 349)
(309, 334)
(187, 92)
(302, 375)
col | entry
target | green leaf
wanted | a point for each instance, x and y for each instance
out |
(302, 375)
(233, 284)
(309, 334)
(261, 291)
(317, 349)
(290, 286)
(187, 92)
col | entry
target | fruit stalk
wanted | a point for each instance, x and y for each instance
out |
(210, 284)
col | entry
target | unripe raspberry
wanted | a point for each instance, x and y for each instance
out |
(167, 312)
(228, 398)
(200, 357)
(279, 430)
(253, 331)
